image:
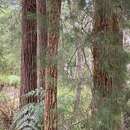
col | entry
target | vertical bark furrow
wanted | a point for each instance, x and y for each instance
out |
(50, 118)
(109, 59)
(29, 44)
(41, 41)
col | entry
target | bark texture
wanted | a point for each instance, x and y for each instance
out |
(41, 41)
(50, 117)
(29, 45)
(109, 64)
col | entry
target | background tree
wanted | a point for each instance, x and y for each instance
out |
(109, 64)
(76, 8)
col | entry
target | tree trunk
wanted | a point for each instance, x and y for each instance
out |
(79, 75)
(75, 10)
(50, 117)
(41, 41)
(77, 99)
(29, 44)
(109, 65)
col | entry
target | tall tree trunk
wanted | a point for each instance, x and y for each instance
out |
(50, 117)
(109, 65)
(41, 41)
(29, 45)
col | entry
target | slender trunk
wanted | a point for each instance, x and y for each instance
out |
(79, 76)
(41, 41)
(50, 111)
(109, 65)
(29, 44)
(77, 99)
(75, 10)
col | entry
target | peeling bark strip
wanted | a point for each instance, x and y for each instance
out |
(41, 41)
(50, 117)
(28, 54)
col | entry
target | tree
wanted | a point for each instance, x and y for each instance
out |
(75, 10)
(50, 117)
(109, 64)
(29, 45)
(41, 41)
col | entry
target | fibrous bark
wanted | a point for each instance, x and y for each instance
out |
(41, 41)
(109, 65)
(28, 60)
(50, 117)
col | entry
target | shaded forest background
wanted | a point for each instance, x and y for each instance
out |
(71, 72)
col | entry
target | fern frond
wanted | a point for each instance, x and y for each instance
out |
(29, 117)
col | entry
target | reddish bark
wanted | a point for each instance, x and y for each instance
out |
(41, 41)
(28, 52)
(105, 27)
(108, 65)
(50, 117)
